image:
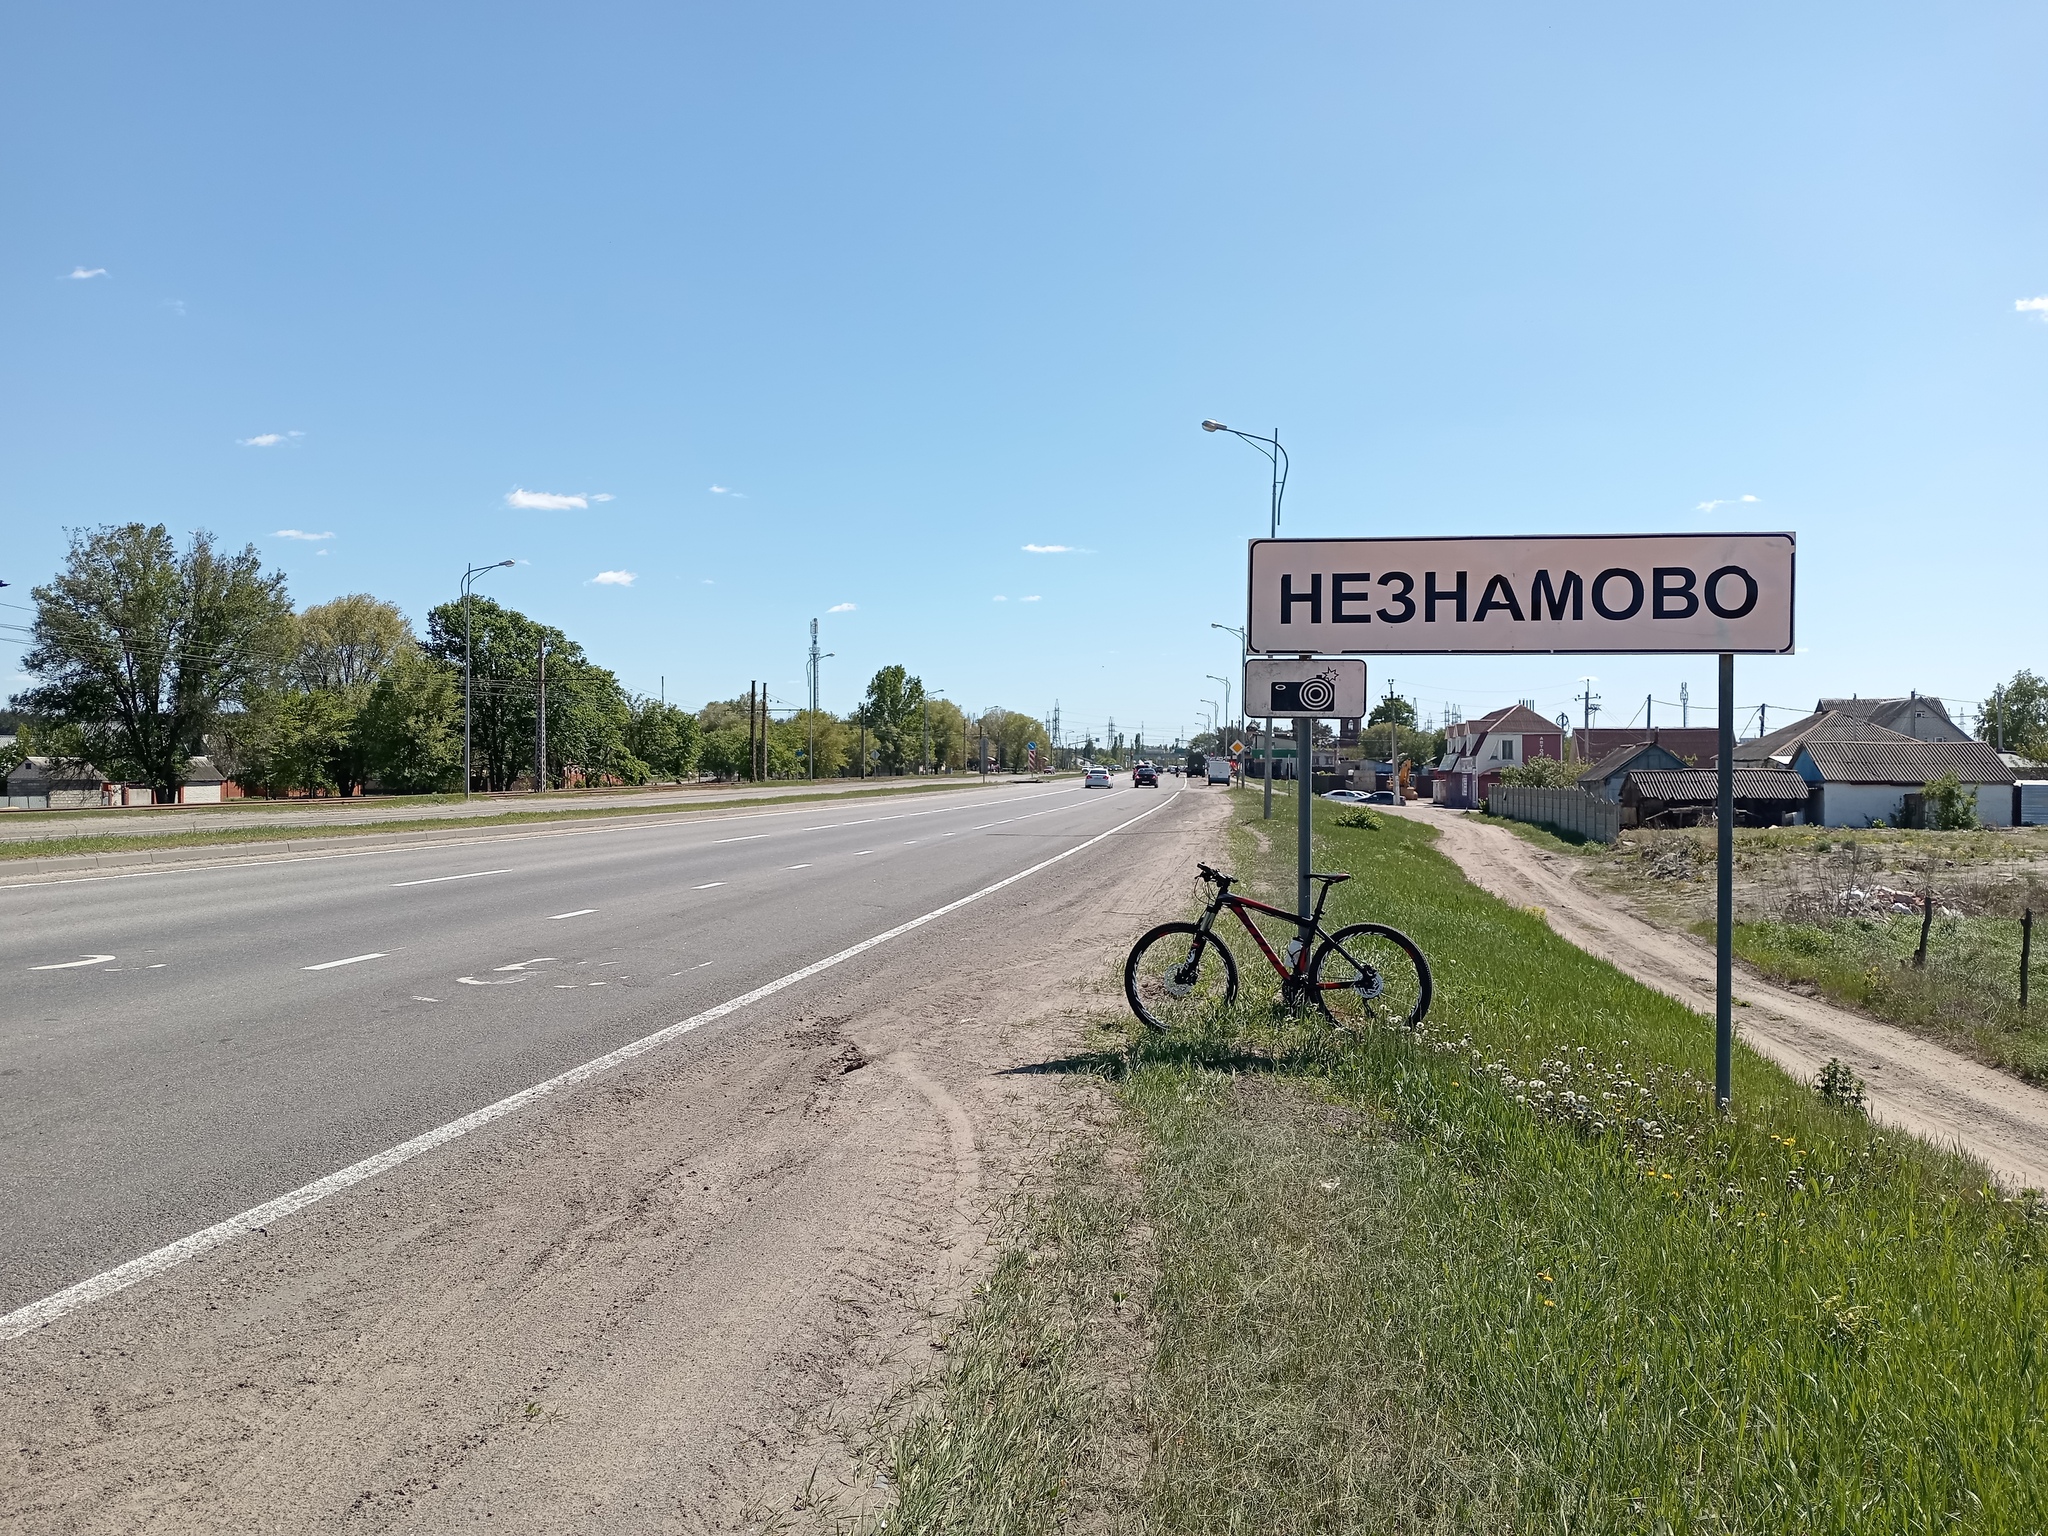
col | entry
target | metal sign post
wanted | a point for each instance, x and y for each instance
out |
(1648, 594)
(1304, 689)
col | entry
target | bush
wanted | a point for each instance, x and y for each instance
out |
(1541, 772)
(1361, 818)
(1949, 806)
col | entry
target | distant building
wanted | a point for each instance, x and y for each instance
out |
(1698, 745)
(55, 784)
(1764, 797)
(1856, 783)
(1779, 747)
(1475, 751)
(1604, 777)
(1916, 715)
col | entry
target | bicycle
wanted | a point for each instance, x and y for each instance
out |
(1366, 973)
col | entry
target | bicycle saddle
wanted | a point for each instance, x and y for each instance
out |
(1333, 879)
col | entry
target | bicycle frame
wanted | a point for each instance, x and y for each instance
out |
(1308, 929)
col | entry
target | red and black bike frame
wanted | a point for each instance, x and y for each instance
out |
(1307, 930)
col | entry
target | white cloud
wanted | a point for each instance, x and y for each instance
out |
(80, 274)
(1000, 598)
(2037, 306)
(602, 496)
(612, 579)
(709, 582)
(1725, 501)
(293, 533)
(1033, 598)
(840, 608)
(1049, 549)
(175, 306)
(545, 501)
(726, 490)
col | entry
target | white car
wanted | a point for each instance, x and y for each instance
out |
(1351, 795)
(1097, 778)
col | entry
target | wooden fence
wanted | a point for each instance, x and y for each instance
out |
(1571, 810)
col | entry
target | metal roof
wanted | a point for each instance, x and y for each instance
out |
(1833, 725)
(1621, 756)
(1903, 762)
(1705, 784)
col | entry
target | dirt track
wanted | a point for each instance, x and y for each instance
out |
(1914, 1084)
(672, 1300)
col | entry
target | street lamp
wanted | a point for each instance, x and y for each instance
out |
(1270, 446)
(815, 658)
(468, 577)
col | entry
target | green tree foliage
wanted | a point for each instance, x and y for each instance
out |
(344, 647)
(588, 712)
(894, 709)
(1948, 806)
(664, 737)
(291, 738)
(1393, 708)
(1010, 733)
(410, 727)
(724, 752)
(141, 647)
(1543, 772)
(2017, 714)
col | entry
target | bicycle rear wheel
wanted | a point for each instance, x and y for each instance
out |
(1369, 973)
(1177, 975)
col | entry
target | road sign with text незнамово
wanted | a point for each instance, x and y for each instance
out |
(1643, 593)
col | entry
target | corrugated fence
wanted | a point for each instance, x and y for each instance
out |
(1573, 810)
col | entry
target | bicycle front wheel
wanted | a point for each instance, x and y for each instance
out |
(1177, 975)
(1371, 974)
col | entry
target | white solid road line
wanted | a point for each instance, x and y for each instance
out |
(38, 1314)
(579, 912)
(799, 866)
(708, 885)
(72, 965)
(477, 874)
(749, 838)
(328, 965)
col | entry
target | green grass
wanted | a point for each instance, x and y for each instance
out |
(1966, 995)
(115, 842)
(1515, 1273)
(1552, 839)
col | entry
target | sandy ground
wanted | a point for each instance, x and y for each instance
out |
(674, 1300)
(1913, 1083)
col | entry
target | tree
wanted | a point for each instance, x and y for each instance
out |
(1545, 772)
(347, 643)
(141, 647)
(1947, 806)
(2017, 715)
(664, 737)
(290, 738)
(895, 717)
(1393, 708)
(724, 752)
(587, 710)
(410, 727)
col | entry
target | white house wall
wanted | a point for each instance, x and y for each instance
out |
(1858, 805)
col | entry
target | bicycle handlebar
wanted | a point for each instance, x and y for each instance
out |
(1214, 877)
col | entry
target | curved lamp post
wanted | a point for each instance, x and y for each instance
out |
(468, 577)
(1270, 447)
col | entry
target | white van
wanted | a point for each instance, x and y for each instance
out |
(1219, 768)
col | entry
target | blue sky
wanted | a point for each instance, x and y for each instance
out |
(922, 286)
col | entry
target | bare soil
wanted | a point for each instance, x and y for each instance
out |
(679, 1299)
(1913, 1083)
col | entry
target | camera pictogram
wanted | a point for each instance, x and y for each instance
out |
(1309, 696)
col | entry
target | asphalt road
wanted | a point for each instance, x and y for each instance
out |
(181, 1047)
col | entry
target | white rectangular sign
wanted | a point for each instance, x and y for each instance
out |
(1642, 593)
(1306, 689)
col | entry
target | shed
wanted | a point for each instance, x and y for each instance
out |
(1856, 783)
(203, 783)
(1764, 797)
(1604, 777)
(55, 783)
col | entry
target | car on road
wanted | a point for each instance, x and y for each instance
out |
(1146, 775)
(1349, 796)
(1096, 778)
(1217, 769)
(1383, 797)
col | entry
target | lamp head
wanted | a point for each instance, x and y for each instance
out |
(1214, 426)
(508, 562)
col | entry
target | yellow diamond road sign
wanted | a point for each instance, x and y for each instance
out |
(1237, 746)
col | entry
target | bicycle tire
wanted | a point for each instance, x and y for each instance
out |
(1150, 978)
(1366, 982)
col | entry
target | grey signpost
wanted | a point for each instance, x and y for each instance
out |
(1719, 594)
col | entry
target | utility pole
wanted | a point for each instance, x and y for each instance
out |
(1649, 724)
(540, 718)
(863, 739)
(1590, 700)
(1684, 705)
(753, 752)
(815, 659)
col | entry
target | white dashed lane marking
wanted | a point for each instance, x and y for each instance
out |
(442, 879)
(328, 965)
(579, 912)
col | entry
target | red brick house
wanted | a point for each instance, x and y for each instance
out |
(1475, 751)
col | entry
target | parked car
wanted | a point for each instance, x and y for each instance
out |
(1146, 775)
(1218, 769)
(1382, 797)
(1350, 796)
(1096, 778)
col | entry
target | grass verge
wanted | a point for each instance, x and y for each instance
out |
(1515, 1272)
(228, 836)
(1966, 995)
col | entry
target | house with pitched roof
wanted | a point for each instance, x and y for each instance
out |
(1604, 777)
(1855, 783)
(1475, 752)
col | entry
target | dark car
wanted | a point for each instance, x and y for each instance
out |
(1145, 774)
